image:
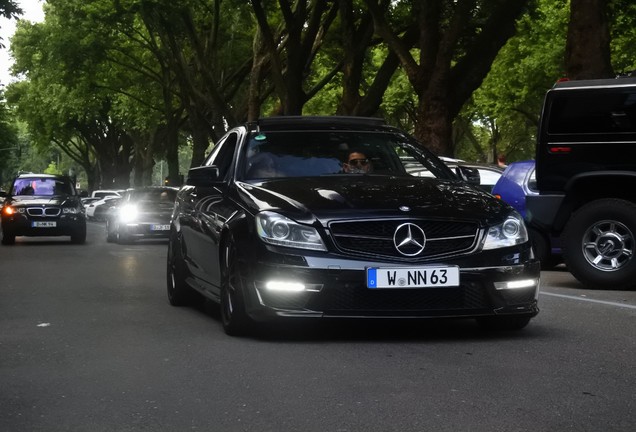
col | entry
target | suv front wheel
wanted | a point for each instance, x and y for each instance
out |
(599, 244)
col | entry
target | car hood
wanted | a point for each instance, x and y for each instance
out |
(56, 200)
(326, 198)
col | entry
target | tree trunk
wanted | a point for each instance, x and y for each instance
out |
(587, 50)
(435, 127)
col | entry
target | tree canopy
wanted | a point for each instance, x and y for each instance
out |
(118, 85)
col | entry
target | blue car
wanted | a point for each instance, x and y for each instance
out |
(515, 184)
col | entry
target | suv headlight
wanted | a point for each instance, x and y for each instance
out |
(71, 210)
(279, 230)
(510, 232)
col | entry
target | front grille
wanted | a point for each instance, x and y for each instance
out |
(359, 299)
(375, 238)
(43, 211)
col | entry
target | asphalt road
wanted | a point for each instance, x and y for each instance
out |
(88, 342)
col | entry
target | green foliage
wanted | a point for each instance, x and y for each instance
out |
(622, 16)
(504, 111)
(159, 73)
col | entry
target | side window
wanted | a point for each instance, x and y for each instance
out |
(607, 111)
(223, 154)
(532, 181)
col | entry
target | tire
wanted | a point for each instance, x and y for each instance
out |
(179, 293)
(8, 238)
(599, 241)
(504, 323)
(233, 316)
(79, 236)
(123, 238)
(110, 235)
(543, 250)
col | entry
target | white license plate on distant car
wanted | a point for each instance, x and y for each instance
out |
(43, 224)
(160, 227)
(412, 277)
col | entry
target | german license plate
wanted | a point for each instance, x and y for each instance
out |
(43, 224)
(412, 277)
(160, 227)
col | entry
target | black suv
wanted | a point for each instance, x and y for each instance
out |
(586, 177)
(43, 205)
(335, 217)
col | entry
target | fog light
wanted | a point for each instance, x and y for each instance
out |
(524, 283)
(284, 286)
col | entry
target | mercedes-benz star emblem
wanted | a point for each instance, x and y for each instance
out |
(409, 239)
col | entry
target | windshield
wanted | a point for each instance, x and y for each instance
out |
(154, 195)
(42, 187)
(317, 153)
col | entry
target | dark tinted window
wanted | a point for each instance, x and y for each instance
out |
(315, 153)
(594, 111)
(168, 195)
(223, 154)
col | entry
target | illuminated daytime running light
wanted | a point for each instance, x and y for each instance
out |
(518, 284)
(285, 286)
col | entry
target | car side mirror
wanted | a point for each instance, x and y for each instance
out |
(203, 175)
(469, 175)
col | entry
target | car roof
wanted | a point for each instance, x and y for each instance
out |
(318, 122)
(609, 82)
(32, 175)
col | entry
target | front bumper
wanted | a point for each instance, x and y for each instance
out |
(338, 289)
(145, 230)
(23, 225)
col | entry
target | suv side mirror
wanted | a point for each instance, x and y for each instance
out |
(469, 175)
(203, 176)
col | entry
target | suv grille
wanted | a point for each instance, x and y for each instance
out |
(43, 211)
(375, 238)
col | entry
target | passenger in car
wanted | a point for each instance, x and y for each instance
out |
(357, 163)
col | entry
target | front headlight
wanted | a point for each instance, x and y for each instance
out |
(128, 213)
(10, 210)
(510, 232)
(276, 229)
(70, 210)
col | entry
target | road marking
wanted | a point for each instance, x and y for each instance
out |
(624, 305)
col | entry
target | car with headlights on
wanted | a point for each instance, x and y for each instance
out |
(42, 205)
(140, 213)
(331, 217)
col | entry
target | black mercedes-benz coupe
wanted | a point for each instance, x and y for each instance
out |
(340, 217)
(43, 205)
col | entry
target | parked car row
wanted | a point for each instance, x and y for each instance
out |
(96, 210)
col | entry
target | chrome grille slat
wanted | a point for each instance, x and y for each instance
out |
(43, 211)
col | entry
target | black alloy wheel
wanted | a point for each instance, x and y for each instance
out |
(233, 316)
(179, 293)
(600, 242)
